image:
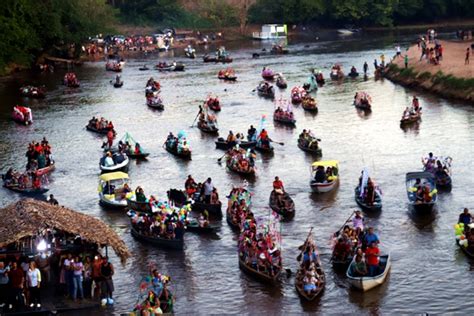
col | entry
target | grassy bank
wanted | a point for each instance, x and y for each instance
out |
(445, 85)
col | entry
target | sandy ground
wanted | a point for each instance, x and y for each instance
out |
(452, 63)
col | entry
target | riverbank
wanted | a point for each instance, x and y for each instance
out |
(450, 79)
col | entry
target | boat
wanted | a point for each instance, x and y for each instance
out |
(284, 117)
(297, 94)
(190, 52)
(299, 284)
(143, 68)
(112, 183)
(194, 227)
(214, 210)
(206, 128)
(281, 82)
(426, 179)
(345, 32)
(26, 191)
(22, 115)
(320, 78)
(330, 182)
(353, 74)
(268, 74)
(92, 128)
(128, 139)
(155, 102)
(366, 283)
(411, 118)
(265, 90)
(70, 80)
(265, 278)
(375, 207)
(309, 104)
(143, 207)
(33, 92)
(186, 154)
(221, 143)
(234, 226)
(176, 244)
(467, 252)
(114, 65)
(284, 207)
(118, 84)
(363, 101)
(307, 146)
(221, 59)
(170, 67)
(213, 104)
(227, 75)
(336, 72)
(121, 163)
(233, 165)
(264, 149)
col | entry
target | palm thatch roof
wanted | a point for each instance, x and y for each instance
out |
(27, 217)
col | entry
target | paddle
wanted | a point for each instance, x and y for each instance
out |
(200, 111)
(298, 258)
(279, 143)
(220, 159)
(347, 220)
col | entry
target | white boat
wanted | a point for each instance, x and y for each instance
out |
(345, 32)
(330, 182)
(121, 166)
(366, 283)
(110, 186)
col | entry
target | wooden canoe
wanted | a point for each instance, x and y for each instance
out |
(26, 191)
(176, 244)
(206, 129)
(193, 227)
(300, 288)
(222, 144)
(235, 227)
(377, 206)
(286, 212)
(466, 251)
(265, 278)
(174, 150)
(317, 152)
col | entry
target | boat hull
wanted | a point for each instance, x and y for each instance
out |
(368, 283)
(176, 244)
(258, 275)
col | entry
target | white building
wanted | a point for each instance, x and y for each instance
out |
(271, 31)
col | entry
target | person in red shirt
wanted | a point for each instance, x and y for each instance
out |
(17, 279)
(372, 255)
(278, 186)
(110, 138)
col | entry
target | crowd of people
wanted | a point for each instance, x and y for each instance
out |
(309, 278)
(203, 192)
(362, 99)
(297, 94)
(39, 155)
(433, 54)
(226, 73)
(158, 298)
(259, 250)
(178, 144)
(207, 120)
(307, 140)
(238, 205)
(77, 276)
(165, 222)
(285, 115)
(241, 159)
(101, 124)
(71, 80)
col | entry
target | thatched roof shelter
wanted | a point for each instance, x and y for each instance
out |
(27, 217)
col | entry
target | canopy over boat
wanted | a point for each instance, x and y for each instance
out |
(106, 177)
(325, 163)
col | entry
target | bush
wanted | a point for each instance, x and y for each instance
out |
(425, 75)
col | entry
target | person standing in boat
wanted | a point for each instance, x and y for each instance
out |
(278, 186)
(208, 187)
(415, 103)
(358, 221)
(372, 254)
(190, 186)
(251, 133)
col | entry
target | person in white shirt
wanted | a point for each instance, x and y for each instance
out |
(33, 277)
(208, 187)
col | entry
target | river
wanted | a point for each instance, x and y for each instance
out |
(429, 273)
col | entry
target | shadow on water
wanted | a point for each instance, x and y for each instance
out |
(424, 220)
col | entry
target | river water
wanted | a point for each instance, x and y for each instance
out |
(429, 274)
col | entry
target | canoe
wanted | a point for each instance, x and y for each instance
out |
(363, 106)
(286, 212)
(341, 266)
(265, 278)
(19, 113)
(174, 150)
(337, 76)
(466, 251)
(228, 218)
(209, 59)
(193, 226)
(299, 284)
(143, 68)
(425, 177)
(45, 170)
(37, 93)
(99, 131)
(376, 207)
(155, 104)
(122, 166)
(227, 78)
(323, 187)
(269, 94)
(222, 144)
(281, 83)
(366, 283)
(118, 84)
(137, 156)
(214, 210)
(215, 106)
(353, 74)
(176, 244)
(230, 166)
(309, 105)
(207, 129)
(412, 118)
(177, 67)
(269, 77)
(143, 207)
(26, 191)
(264, 150)
(317, 152)
(284, 120)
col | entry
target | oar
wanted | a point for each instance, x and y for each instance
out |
(279, 143)
(220, 159)
(298, 258)
(192, 125)
(347, 220)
